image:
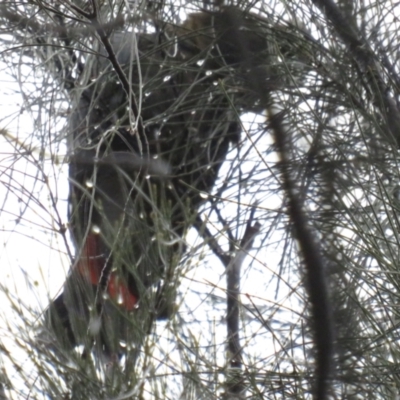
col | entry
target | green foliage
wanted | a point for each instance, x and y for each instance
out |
(333, 73)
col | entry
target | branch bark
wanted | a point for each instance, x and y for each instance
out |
(235, 385)
(316, 286)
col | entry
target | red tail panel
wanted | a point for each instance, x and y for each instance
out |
(91, 263)
(91, 266)
(120, 293)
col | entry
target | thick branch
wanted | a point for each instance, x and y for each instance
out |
(314, 266)
(313, 263)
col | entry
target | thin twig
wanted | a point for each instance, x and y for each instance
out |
(104, 38)
(211, 241)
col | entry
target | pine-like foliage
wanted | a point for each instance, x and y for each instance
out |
(206, 195)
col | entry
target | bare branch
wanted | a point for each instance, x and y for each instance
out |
(236, 385)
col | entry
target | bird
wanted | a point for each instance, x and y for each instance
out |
(137, 181)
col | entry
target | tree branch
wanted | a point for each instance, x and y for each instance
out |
(235, 382)
(317, 288)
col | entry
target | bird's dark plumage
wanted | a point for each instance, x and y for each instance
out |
(133, 192)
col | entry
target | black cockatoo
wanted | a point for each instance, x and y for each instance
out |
(137, 181)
